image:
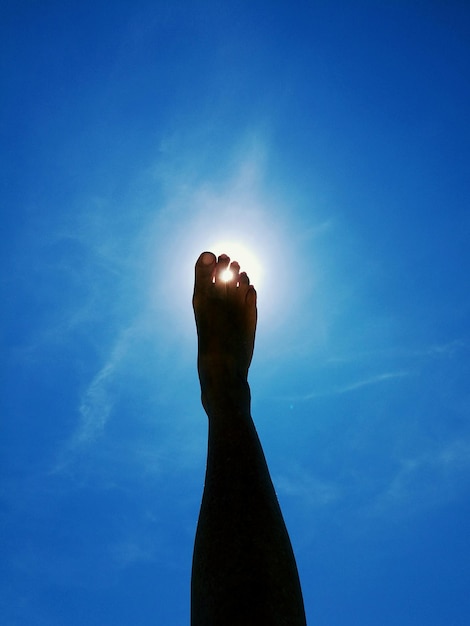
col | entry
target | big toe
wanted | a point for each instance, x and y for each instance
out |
(204, 270)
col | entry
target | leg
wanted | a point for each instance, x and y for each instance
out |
(244, 571)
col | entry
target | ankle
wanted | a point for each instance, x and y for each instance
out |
(226, 395)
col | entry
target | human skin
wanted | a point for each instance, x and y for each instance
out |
(244, 571)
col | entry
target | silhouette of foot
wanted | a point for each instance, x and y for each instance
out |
(225, 312)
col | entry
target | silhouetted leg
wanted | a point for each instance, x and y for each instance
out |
(244, 570)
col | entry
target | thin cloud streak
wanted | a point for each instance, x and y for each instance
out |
(449, 349)
(428, 480)
(366, 382)
(312, 491)
(373, 380)
(97, 401)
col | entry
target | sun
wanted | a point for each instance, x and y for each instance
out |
(226, 275)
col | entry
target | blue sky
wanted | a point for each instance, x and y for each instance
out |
(327, 144)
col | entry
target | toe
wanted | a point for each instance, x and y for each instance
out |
(251, 296)
(251, 299)
(235, 270)
(222, 264)
(243, 279)
(204, 270)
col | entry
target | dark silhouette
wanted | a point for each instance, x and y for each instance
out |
(244, 571)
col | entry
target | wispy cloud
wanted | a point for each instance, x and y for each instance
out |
(312, 491)
(372, 380)
(429, 479)
(448, 348)
(133, 550)
(97, 401)
(443, 349)
(353, 386)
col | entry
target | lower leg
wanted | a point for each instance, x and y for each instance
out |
(244, 569)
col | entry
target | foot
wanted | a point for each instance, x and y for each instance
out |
(225, 312)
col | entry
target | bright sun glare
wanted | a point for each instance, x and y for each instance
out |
(226, 275)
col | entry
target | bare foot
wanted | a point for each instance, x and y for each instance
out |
(225, 312)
